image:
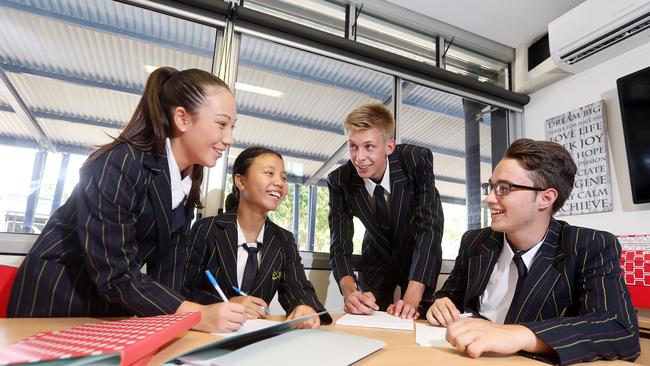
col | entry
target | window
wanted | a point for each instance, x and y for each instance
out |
(396, 39)
(482, 68)
(73, 71)
(458, 132)
(79, 68)
(322, 15)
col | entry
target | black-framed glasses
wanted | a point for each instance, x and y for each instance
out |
(504, 188)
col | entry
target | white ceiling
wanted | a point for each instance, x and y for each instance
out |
(510, 22)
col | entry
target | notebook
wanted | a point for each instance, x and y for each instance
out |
(281, 345)
(379, 319)
(120, 342)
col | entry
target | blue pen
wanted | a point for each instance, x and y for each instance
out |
(216, 285)
(242, 293)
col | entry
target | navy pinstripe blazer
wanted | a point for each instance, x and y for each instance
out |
(574, 297)
(88, 259)
(213, 245)
(417, 223)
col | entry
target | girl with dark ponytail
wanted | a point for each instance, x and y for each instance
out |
(247, 251)
(133, 206)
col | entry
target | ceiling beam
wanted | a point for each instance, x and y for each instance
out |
(21, 109)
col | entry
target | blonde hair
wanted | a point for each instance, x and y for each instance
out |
(368, 116)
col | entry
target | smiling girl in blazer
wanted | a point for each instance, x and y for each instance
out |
(225, 245)
(133, 206)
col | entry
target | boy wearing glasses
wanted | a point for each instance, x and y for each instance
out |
(543, 287)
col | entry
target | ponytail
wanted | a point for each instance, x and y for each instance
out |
(151, 122)
(232, 201)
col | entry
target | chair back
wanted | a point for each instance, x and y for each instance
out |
(7, 277)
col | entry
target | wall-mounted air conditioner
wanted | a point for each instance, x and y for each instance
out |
(598, 30)
(533, 67)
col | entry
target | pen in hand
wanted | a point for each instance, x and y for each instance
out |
(216, 285)
(242, 293)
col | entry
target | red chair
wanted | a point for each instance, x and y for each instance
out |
(7, 277)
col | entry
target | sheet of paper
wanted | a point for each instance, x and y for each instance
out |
(379, 319)
(427, 335)
(249, 326)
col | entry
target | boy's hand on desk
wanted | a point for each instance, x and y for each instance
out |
(443, 312)
(303, 310)
(357, 302)
(253, 306)
(407, 307)
(404, 309)
(477, 336)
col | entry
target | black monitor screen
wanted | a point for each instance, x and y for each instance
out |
(634, 98)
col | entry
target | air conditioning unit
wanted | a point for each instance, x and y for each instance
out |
(533, 68)
(598, 30)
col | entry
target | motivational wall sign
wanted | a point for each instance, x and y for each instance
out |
(582, 132)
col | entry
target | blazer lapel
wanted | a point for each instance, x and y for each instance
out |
(540, 280)
(160, 195)
(399, 195)
(480, 268)
(227, 246)
(269, 254)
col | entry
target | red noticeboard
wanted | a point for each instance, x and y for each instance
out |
(635, 263)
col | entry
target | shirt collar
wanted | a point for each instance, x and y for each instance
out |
(385, 181)
(180, 187)
(241, 239)
(526, 257)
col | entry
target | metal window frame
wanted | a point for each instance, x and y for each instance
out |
(311, 40)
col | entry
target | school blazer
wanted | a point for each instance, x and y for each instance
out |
(574, 297)
(213, 245)
(414, 253)
(87, 260)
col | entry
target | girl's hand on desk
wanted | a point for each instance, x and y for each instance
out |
(253, 306)
(302, 310)
(218, 317)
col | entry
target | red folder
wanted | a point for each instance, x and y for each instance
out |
(127, 342)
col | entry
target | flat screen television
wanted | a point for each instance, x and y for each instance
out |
(634, 99)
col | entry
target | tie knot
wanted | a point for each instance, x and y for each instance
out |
(251, 248)
(379, 190)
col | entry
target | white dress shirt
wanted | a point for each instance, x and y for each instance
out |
(180, 188)
(498, 294)
(242, 254)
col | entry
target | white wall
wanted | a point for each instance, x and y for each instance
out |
(583, 88)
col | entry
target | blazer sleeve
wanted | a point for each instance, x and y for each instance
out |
(429, 221)
(456, 284)
(295, 289)
(201, 249)
(112, 194)
(606, 325)
(341, 229)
